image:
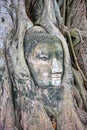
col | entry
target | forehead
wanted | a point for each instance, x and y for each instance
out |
(48, 47)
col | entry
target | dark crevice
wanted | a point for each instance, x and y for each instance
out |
(52, 118)
(2, 19)
(35, 9)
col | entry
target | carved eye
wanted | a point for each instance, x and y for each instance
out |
(43, 57)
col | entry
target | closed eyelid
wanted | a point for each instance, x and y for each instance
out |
(43, 56)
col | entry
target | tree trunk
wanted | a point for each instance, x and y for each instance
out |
(24, 105)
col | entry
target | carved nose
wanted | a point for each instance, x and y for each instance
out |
(56, 66)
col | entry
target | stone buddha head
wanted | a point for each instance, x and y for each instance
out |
(44, 56)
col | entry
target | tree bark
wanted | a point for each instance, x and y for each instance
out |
(19, 107)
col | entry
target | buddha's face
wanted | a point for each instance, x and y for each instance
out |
(46, 64)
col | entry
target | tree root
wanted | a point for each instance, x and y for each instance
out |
(82, 115)
(80, 87)
(75, 58)
(78, 99)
